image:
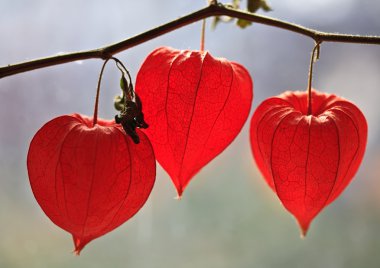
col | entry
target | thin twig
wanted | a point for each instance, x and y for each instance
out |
(213, 9)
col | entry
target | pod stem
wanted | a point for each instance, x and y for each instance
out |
(95, 119)
(203, 31)
(314, 57)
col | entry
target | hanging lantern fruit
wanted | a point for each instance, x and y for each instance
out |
(308, 159)
(89, 179)
(195, 106)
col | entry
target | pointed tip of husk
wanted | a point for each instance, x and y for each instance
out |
(179, 195)
(179, 192)
(304, 227)
(79, 244)
(76, 252)
(303, 233)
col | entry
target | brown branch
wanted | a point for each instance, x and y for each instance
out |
(213, 9)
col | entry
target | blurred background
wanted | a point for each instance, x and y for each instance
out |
(228, 217)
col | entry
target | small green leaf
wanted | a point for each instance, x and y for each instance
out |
(219, 19)
(243, 23)
(123, 83)
(254, 5)
(119, 103)
(236, 3)
(215, 22)
(265, 6)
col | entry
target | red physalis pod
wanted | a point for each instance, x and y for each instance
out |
(89, 179)
(308, 160)
(195, 106)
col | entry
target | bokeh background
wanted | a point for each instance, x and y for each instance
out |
(228, 217)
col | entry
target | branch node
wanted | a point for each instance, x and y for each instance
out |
(213, 3)
(105, 55)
